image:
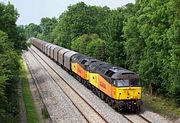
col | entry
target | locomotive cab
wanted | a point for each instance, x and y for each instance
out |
(127, 87)
(126, 82)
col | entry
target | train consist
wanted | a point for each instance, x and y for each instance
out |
(117, 86)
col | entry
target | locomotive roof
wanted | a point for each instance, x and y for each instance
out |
(95, 65)
(91, 60)
(79, 57)
(124, 74)
(84, 60)
(112, 71)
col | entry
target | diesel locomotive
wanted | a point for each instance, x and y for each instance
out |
(117, 86)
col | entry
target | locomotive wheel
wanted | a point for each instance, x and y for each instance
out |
(99, 93)
(137, 109)
(106, 99)
(81, 80)
(102, 95)
(109, 101)
(119, 109)
(95, 91)
(90, 87)
(77, 77)
(113, 104)
(85, 83)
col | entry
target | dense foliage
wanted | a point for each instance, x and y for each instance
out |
(46, 26)
(143, 37)
(42, 30)
(12, 41)
(78, 20)
(87, 44)
(152, 45)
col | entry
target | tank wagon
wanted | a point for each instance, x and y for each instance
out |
(117, 86)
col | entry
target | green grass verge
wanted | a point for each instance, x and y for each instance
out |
(165, 107)
(45, 113)
(31, 114)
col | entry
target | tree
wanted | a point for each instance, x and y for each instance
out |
(47, 25)
(32, 30)
(79, 19)
(113, 35)
(97, 49)
(12, 41)
(8, 19)
(90, 45)
(9, 69)
(152, 45)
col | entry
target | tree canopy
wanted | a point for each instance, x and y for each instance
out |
(12, 41)
(151, 45)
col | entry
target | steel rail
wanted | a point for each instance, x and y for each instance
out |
(70, 87)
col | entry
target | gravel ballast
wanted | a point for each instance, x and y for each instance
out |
(59, 106)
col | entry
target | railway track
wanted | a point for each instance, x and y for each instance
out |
(87, 111)
(136, 118)
(41, 87)
(66, 86)
(144, 118)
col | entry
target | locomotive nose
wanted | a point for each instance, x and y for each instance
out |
(131, 94)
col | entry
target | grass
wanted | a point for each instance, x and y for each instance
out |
(45, 113)
(165, 107)
(31, 114)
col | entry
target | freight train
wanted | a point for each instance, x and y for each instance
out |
(118, 87)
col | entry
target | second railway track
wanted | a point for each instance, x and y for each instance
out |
(136, 118)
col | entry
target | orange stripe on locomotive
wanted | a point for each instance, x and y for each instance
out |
(104, 86)
(79, 70)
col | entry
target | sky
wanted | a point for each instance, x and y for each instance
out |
(31, 11)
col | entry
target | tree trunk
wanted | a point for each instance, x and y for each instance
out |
(150, 88)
